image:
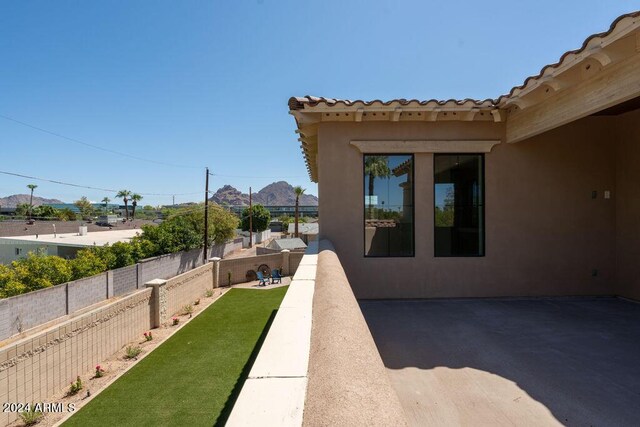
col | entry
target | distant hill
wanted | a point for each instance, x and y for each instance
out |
(275, 194)
(18, 199)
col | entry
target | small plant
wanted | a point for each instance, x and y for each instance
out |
(148, 336)
(31, 417)
(229, 277)
(197, 302)
(187, 309)
(99, 372)
(175, 321)
(209, 293)
(76, 386)
(132, 352)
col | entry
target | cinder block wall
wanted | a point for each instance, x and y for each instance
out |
(26, 311)
(188, 287)
(33, 369)
(239, 267)
(86, 292)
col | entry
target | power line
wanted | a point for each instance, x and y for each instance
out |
(77, 141)
(109, 190)
(259, 177)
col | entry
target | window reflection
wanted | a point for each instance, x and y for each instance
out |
(459, 210)
(388, 205)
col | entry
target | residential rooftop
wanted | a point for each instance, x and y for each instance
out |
(76, 240)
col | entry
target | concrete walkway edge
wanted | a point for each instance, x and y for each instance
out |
(274, 393)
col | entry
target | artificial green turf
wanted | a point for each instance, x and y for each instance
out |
(194, 377)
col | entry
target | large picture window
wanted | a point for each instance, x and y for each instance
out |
(459, 204)
(388, 206)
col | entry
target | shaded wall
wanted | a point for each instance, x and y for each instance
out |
(545, 234)
(628, 206)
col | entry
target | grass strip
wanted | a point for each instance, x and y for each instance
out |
(194, 377)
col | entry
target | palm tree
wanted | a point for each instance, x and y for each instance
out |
(106, 201)
(374, 167)
(125, 198)
(31, 187)
(136, 198)
(299, 192)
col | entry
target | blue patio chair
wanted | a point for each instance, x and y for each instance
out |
(263, 281)
(275, 276)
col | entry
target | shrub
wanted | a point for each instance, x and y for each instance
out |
(132, 352)
(187, 309)
(175, 321)
(260, 218)
(99, 372)
(31, 416)
(197, 302)
(38, 271)
(148, 336)
(76, 386)
(87, 263)
(209, 293)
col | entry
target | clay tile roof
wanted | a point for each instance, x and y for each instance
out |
(298, 103)
(565, 55)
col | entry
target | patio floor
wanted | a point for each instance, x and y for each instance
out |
(571, 361)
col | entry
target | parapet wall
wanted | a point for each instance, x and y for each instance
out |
(347, 380)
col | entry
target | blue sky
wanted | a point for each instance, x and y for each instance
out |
(206, 83)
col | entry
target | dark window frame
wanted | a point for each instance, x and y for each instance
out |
(482, 207)
(413, 206)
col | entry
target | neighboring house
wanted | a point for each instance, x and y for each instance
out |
(533, 193)
(65, 245)
(293, 244)
(308, 232)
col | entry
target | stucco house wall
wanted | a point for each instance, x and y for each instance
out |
(545, 234)
(628, 205)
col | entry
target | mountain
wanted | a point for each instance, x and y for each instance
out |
(17, 199)
(275, 194)
(228, 195)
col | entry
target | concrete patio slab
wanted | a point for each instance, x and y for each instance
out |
(255, 284)
(556, 361)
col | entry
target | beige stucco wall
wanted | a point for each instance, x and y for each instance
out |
(545, 235)
(628, 206)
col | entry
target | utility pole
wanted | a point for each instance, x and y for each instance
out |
(174, 200)
(250, 221)
(206, 216)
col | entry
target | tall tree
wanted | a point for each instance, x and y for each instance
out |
(31, 187)
(85, 207)
(299, 192)
(135, 197)
(106, 201)
(375, 167)
(124, 194)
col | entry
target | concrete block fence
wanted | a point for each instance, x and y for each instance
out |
(232, 271)
(23, 312)
(42, 364)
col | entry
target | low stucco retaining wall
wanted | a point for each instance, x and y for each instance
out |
(347, 381)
